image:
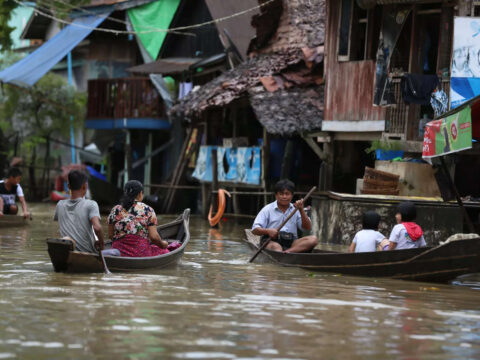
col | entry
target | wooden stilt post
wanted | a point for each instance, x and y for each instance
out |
(234, 116)
(214, 180)
(469, 222)
(265, 157)
(171, 191)
(287, 160)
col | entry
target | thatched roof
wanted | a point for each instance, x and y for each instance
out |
(288, 111)
(282, 81)
(234, 84)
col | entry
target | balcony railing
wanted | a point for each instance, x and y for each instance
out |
(124, 98)
(399, 113)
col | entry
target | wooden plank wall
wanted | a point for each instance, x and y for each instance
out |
(349, 85)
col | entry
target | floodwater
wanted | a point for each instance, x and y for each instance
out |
(215, 305)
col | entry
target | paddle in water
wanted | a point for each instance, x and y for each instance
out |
(281, 225)
(105, 268)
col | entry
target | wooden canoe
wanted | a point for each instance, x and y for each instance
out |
(431, 264)
(64, 259)
(13, 220)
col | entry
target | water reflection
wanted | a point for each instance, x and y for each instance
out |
(215, 305)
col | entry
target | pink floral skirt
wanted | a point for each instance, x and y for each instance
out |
(137, 246)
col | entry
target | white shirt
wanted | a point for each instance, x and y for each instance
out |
(9, 199)
(367, 240)
(400, 236)
(272, 217)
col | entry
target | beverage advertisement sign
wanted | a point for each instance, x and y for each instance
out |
(448, 135)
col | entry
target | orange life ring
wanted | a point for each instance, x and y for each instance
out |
(222, 203)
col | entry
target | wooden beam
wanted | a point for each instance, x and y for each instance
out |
(316, 149)
(353, 125)
(357, 136)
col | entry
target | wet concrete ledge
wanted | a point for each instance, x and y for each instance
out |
(336, 217)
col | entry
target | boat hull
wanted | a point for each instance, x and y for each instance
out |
(64, 259)
(438, 264)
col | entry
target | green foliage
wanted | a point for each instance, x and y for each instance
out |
(60, 9)
(383, 145)
(41, 111)
(6, 9)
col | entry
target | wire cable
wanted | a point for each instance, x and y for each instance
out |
(155, 30)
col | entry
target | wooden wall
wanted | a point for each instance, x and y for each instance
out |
(349, 85)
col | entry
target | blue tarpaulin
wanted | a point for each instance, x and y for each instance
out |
(31, 68)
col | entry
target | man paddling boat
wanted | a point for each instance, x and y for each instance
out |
(272, 216)
(77, 215)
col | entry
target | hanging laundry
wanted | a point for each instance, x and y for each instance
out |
(439, 102)
(418, 88)
(185, 88)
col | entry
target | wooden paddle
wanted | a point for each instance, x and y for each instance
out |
(105, 268)
(281, 225)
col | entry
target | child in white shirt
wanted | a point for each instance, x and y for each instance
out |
(368, 238)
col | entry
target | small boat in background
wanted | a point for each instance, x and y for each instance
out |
(65, 259)
(59, 195)
(440, 264)
(13, 220)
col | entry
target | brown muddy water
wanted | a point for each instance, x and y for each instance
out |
(215, 305)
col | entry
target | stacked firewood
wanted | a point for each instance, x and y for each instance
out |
(379, 182)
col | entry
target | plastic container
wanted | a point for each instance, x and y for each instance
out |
(388, 154)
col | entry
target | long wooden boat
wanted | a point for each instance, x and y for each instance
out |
(65, 259)
(13, 220)
(431, 264)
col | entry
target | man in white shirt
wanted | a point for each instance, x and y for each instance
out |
(273, 214)
(9, 189)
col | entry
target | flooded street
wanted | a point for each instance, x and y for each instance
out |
(215, 305)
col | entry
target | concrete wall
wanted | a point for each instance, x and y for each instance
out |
(337, 219)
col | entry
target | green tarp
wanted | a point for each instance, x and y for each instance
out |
(156, 15)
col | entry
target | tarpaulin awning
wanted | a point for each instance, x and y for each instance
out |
(454, 131)
(31, 68)
(150, 18)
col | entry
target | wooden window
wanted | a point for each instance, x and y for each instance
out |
(359, 31)
(475, 8)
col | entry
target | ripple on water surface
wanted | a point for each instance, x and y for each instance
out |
(215, 305)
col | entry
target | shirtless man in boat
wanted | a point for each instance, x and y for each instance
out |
(77, 215)
(273, 214)
(9, 188)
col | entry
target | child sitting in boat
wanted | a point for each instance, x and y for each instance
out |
(406, 234)
(132, 225)
(368, 238)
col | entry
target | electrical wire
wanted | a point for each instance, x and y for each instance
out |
(154, 30)
(110, 18)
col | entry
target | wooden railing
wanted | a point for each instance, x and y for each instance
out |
(398, 114)
(123, 98)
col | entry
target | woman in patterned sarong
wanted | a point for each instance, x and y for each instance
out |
(132, 225)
